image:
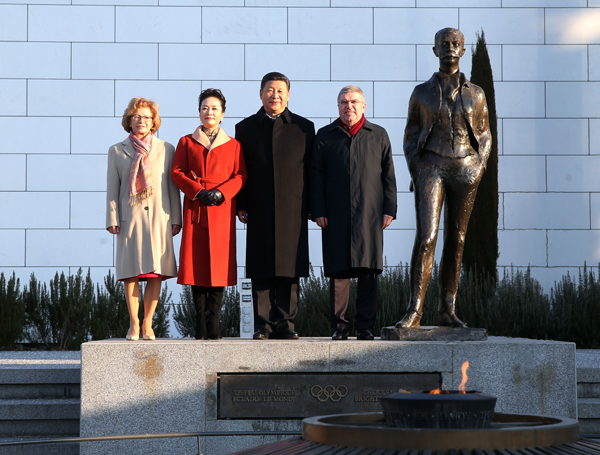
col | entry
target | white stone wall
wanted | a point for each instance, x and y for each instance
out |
(69, 67)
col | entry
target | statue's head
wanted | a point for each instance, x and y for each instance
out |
(449, 45)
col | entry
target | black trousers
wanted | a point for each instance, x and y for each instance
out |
(366, 299)
(275, 303)
(207, 302)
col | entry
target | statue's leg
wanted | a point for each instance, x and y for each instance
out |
(460, 196)
(429, 197)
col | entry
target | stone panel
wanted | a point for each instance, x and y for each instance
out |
(330, 25)
(291, 60)
(400, 62)
(545, 368)
(391, 98)
(113, 61)
(573, 173)
(35, 60)
(419, 25)
(572, 25)
(13, 97)
(49, 97)
(573, 248)
(522, 248)
(520, 99)
(522, 173)
(543, 3)
(12, 248)
(546, 211)
(545, 136)
(71, 23)
(201, 2)
(51, 210)
(55, 173)
(595, 210)
(303, 95)
(54, 130)
(112, 132)
(69, 248)
(594, 136)
(572, 99)
(244, 25)
(594, 54)
(315, 246)
(539, 63)
(503, 25)
(13, 172)
(302, 3)
(184, 62)
(175, 98)
(459, 3)
(13, 22)
(88, 210)
(160, 382)
(165, 24)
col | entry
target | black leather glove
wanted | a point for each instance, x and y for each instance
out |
(215, 197)
(203, 196)
(211, 197)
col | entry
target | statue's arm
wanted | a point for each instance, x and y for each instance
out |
(412, 131)
(483, 129)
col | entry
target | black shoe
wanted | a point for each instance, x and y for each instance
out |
(286, 334)
(340, 334)
(364, 334)
(262, 334)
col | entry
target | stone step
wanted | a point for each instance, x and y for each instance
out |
(588, 408)
(39, 449)
(588, 390)
(41, 417)
(40, 374)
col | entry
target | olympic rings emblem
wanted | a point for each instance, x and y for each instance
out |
(329, 392)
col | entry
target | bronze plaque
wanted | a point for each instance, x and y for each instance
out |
(296, 396)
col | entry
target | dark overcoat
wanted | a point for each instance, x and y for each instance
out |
(353, 185)
(277, 155)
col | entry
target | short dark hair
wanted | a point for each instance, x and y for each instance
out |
(274, 77)
(211, 93)
(447, 30)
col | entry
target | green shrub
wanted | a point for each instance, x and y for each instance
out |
(12, 312)
(110, 316)
(576, 309)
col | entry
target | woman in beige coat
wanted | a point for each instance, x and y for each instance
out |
(143, 210)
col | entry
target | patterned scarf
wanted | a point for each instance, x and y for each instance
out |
(354, 128)
(140, 173)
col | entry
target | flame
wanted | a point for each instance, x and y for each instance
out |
(462, 387)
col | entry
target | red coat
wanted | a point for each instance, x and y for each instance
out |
(208, 259)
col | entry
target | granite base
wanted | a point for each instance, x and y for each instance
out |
(171, 385)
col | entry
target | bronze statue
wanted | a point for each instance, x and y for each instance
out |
(447, 142)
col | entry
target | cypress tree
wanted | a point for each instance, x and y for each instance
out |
(481, 242)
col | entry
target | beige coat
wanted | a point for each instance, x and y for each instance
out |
(145, 241)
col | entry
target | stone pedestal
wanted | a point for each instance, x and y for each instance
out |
(172, 385)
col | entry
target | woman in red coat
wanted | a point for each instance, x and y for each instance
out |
(209, 169)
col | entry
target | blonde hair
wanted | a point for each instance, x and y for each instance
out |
(137, 103)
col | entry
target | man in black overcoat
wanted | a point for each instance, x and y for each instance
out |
(274, 206)
(353, 199)
(447, 142)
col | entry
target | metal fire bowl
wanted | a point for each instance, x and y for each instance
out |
(448, 410)
(514, 431)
